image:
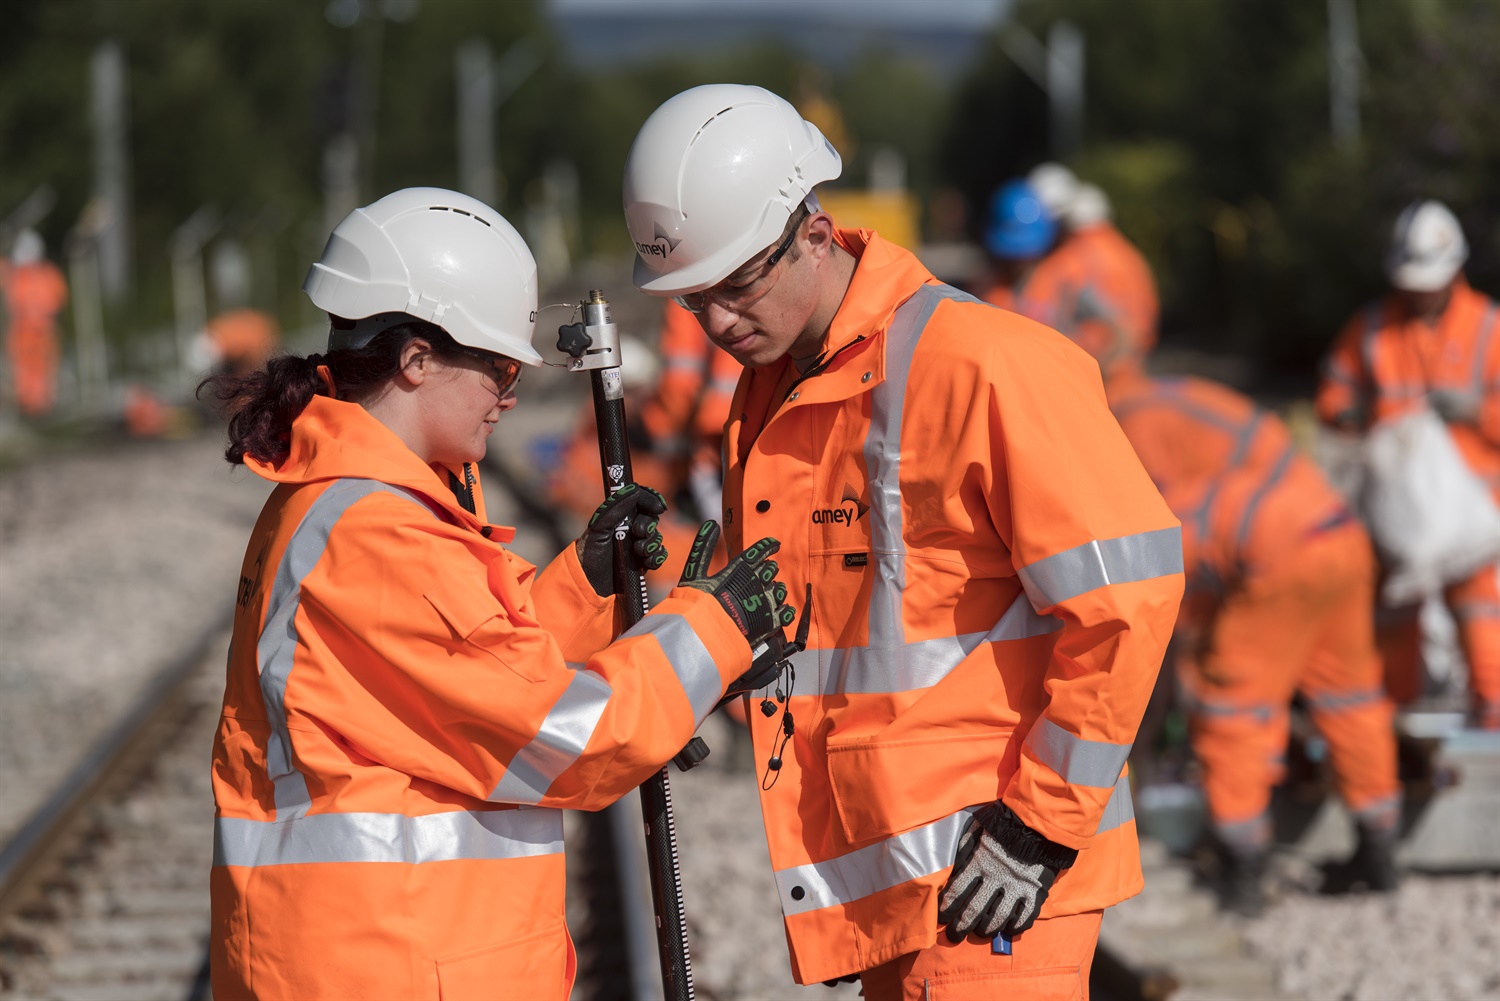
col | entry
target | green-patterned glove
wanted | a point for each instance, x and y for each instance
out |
(747, 589)
(631, 512)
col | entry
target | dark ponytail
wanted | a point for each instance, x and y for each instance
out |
(261, 406)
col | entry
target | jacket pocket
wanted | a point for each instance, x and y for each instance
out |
(886, 787)
(478, 618)
(537, 966)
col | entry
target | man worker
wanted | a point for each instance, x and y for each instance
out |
(994, 577)
(1431, 340)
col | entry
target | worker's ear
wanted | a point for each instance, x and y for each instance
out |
(817, 238)
(416, 361)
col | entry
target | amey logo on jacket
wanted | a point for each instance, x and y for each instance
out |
(849, 510)
(661, 244)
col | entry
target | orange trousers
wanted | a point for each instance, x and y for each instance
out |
(1049, 961)
(1305, 625)
(1475, 605)
(33, 364)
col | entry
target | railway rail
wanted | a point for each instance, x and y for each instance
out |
(104, 891)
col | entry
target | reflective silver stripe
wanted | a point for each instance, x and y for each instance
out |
(563, 736)
(1080, 762)
(882, 451)
(1337, 702)
(1120, 809)
(1482, 349)
(276, 649)
(876, 867)
(1245, 835)
(916, 665)
(690, 659)
(1081, 569)
(388, 837)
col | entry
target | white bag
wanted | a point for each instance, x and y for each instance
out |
(1432, 520)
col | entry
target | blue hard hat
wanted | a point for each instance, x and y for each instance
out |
(1019, 224)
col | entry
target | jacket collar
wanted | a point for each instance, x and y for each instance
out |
(332, 439)
(885, 276)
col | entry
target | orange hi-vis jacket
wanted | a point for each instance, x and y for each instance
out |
(1115, 302)
(691, 401)
(994, 583)
(1385, 362)
(1229, 470)
(407, 709)
(1096, 288)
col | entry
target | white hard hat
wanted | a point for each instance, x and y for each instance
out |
(711, 180)
(639, 366)
(28, 248)
(1427, 248)
(1090, 207)
(435, 255)
(1056, 186)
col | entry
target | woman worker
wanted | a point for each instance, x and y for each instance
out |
(409, 705)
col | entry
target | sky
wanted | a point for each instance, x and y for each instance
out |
(942, 33)
(976, 14)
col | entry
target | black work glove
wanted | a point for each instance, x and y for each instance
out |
(1001, 876)
(630, 513)
(747, 589)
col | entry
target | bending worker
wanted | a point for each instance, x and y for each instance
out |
(1280, 599)
(1433, 339)
(409, 704)
(994, 576)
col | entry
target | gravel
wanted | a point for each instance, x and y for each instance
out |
(1436, 938)
(112, 561)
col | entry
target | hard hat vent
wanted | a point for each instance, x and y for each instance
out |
(449, 208)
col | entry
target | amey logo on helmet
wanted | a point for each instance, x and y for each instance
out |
(850, 510)
(661, 244)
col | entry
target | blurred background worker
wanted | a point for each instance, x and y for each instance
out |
(1116, 306)
(1280, 601)
(238, 341)
(1019, 235)
(1432, 341)
(35, 292)
(1069, 267)
(993, 576)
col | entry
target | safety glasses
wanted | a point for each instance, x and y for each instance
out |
(737, 294)
(506, 371)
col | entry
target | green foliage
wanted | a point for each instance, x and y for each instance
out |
(1208, 124)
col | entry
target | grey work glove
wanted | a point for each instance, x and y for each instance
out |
(630, 513)
(1454, 406)
(1001, 876)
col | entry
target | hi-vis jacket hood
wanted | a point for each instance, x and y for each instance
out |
(408, 707)
(994, 583)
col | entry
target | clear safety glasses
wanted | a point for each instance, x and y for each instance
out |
(506, 371)
(737, 294)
